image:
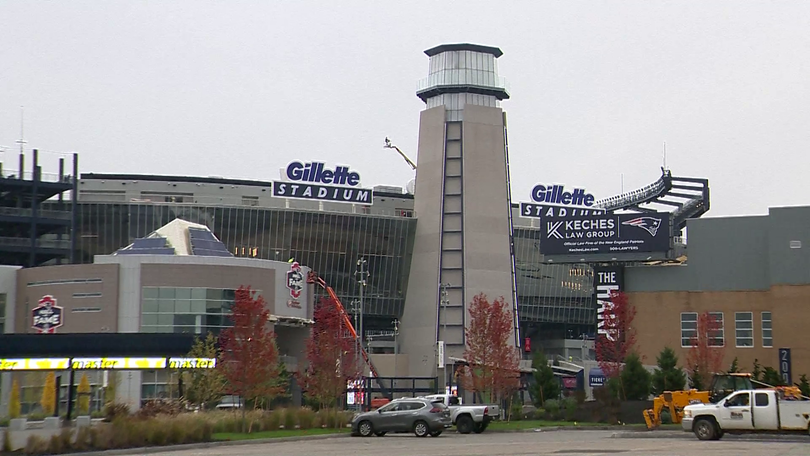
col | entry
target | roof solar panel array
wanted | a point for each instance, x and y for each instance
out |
(204, 243)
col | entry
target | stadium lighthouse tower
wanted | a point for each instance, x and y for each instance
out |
(462, 203)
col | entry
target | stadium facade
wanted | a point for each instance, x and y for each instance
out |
(425, 250)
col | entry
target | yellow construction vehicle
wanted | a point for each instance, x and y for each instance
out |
(722, 385)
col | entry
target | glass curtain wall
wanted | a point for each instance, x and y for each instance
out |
(330, 243)
(556, 299)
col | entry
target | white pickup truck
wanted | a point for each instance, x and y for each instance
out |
(747, 411)
(468, 418)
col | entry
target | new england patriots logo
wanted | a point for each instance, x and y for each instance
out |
(648, 224)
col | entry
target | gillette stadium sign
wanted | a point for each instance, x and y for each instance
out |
(605, 233)
(316, 181)
(558, 201)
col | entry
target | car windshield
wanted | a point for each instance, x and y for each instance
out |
(438, 404)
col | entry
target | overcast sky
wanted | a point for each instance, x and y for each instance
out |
(240, 88)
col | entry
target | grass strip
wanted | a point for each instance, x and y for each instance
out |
(232, 436)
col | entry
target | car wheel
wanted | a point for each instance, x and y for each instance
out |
(420, 428)
(704, 429)
(465, 424)
(479, 428)
(379, 433)
(435, 433)
(365, 429)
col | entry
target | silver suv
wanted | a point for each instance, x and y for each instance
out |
(420, 416)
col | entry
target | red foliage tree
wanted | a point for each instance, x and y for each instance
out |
(492, 359)
(616, 337)
(331, 356)
(249, 357)
(705, 355)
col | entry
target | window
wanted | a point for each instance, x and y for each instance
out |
(717, 338)
(688, 328)
(744, 327)
(186, 310)
(767, 330)
(739, 400)
(761, 399)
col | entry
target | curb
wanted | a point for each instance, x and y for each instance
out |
(204, 445)
(569, 428)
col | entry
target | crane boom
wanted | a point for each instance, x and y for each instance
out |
(312, 277)
(390, 145)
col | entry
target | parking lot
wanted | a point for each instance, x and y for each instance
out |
(558, 443)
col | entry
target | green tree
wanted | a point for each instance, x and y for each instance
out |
(771, 377)
(545, 385)
(14, 401)
(668, 377)
(48, 400)
(84, 395)
(203, 386)
(635, 379)
(756, 373)
(804, 386)
(734, 368)
(697, 379)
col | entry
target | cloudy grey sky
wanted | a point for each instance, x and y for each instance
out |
(239, 88)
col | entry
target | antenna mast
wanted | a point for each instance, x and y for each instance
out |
(665, 155)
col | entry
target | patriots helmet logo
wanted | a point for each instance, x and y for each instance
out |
(649, 224)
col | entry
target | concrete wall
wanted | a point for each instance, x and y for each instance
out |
(419, 319)
(87, 307)
(487, 261)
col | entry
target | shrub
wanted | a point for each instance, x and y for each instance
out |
(84, 440)
(272, 420)
(66, 437)
(112, 411)
(157, 407)
(56, 445)
(516, 411)
(552, 406)
(306, 418)
(6, 448)
(35, 445)
(290, 418)
(569, 405)
(177, 433)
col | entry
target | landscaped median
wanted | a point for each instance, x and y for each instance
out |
(132, 431)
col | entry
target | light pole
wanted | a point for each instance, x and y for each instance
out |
(396, 345)
(444, 302)
(363, 275)
(354, 307)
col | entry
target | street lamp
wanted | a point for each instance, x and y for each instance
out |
(363, 275)
(444, 303)
(396, 345)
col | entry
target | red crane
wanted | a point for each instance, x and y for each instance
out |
(312, 277)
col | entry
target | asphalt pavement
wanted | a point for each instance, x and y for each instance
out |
(541, 443)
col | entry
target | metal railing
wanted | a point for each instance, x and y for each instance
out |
(44, 213)
(26, 242)
(29, 175)
(635, 197)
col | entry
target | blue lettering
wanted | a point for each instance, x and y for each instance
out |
(318, 173)
(556, 195)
